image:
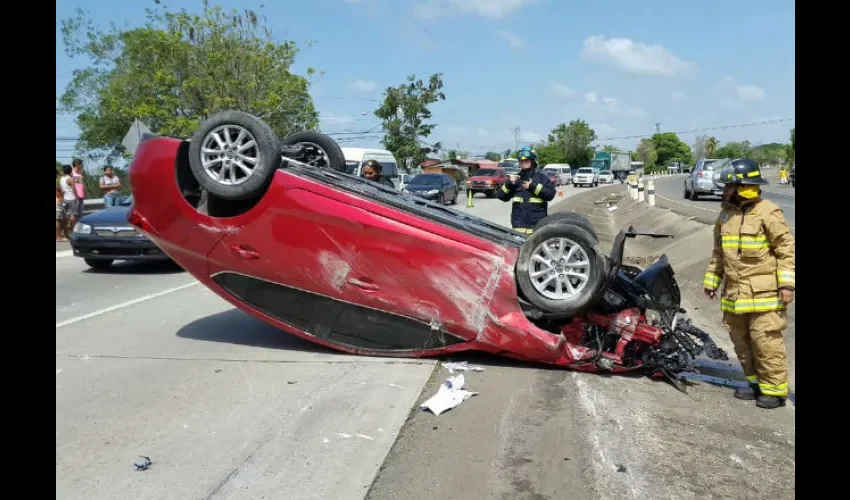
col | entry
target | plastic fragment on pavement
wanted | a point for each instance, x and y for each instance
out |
(449, 395)
(461, 366)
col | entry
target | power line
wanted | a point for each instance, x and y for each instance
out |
(708, 129)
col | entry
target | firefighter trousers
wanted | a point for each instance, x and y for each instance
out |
(761, 349)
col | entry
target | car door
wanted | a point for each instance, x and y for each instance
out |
(298, 239)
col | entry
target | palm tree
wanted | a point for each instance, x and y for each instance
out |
(711, 145)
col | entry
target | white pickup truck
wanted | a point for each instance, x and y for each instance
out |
(586, 176)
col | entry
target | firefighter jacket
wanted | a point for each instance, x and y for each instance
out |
(754, 252)
(529, 205)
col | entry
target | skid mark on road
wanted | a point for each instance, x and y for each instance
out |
(123, 305)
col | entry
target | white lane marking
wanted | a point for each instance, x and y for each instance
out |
(123, 305)
(687, 204)
(64, 253)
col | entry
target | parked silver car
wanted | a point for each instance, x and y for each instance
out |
(704, 180)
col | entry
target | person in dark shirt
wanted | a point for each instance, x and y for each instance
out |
(372, 170)
(530, 192)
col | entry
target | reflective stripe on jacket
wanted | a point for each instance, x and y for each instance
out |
(529, 205)
(754, 252)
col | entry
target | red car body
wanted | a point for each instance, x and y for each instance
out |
(345, 271)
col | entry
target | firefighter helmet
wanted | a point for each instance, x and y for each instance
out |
(742, 171)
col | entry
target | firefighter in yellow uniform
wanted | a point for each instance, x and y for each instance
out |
(754, 252)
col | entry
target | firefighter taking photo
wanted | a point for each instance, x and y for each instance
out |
(754, 257)
(530, 191)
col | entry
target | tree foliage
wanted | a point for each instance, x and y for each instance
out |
(571, 143)
(669, 148)
(404, 114)
(493, 156)
(647, 154)
(610, 149)
(177, 69)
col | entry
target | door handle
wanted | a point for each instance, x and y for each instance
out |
(245, 252)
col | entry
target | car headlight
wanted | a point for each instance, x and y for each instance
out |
(433, 191)
(80, 228)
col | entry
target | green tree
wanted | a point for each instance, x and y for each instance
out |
(768, 154)
(791, 149)
(647, 154)
(493, 156)
(669, 148)
(551, 153)
(575, 141)
(609, 148)
(177, 69)
(735, 149)
(403, 115)
(454, 154)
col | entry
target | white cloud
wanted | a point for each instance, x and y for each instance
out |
(512, 39)
(492, 9)
(329, 118)
(634, 57)
(733, 94)
(591, 97)
(610, 102)
(364, 85)
(751, 93)
(562, 90)
(678, 96)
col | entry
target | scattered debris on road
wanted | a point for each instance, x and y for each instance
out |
(449, 395)
(145, 465)
(641, 261)
(461, 366)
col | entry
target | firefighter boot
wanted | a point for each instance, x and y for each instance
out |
(770, 402)
(747, 393)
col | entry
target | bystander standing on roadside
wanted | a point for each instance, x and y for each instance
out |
(110, 184)
(79, 189)
(372, 170)
(61, 213)
(69, 196)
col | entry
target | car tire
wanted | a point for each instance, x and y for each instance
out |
(244, 128)
(694, 195)
(322, 151)
(454, 199)
(535, 287)
(573, 218)
(98, 263)
(441, 199)
(686, 195)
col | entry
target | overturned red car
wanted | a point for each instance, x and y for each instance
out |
(277, 228)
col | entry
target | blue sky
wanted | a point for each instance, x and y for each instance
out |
(621, 65)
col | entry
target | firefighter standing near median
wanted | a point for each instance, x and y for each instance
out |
(754, 252)
(530, 191)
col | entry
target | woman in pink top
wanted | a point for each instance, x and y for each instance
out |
(76, 208)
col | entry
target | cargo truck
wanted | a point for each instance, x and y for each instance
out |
(618, 163)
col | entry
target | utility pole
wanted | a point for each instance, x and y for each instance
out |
(516, 138)
(657, 127)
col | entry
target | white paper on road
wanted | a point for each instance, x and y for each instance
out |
(461, 366)
(450, 394)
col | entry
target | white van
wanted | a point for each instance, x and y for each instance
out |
(356, 157)
(563, 170)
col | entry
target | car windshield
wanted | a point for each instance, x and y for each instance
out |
(509, 164)
(427, 180)
(708, 165)
(605, 172)
(585, 171)
(486, 172)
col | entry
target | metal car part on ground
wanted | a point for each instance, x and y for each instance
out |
(281, 231)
